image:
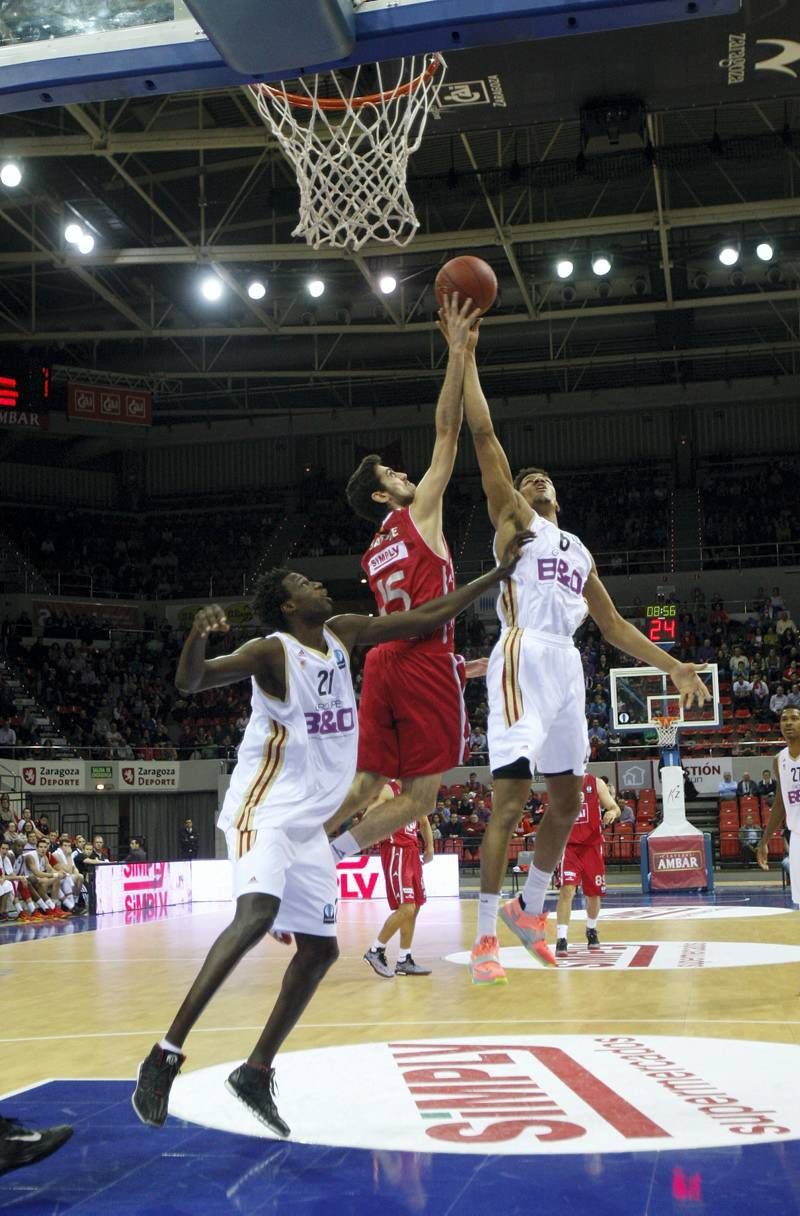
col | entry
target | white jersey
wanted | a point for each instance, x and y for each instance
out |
(297, 758)
(545, 592)
(789, 772)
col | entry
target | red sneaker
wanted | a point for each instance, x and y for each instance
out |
(529, 929)
(484, 963)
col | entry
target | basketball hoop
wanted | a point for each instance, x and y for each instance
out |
(350, 150)
(666, 727)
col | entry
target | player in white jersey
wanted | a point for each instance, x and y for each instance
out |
(535, 683)
(786, 804)
(294, 766)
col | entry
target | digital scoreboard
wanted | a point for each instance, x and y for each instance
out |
(661, 624)
(23, 385)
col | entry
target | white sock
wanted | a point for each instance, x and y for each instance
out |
(488, 904)
(562, 931)
(344, 846)
(165, 1045)
(535, 890)
(51, 905)
(378, 944)
(41, 905)
(402, 955)
(69, 903)
(591, 924)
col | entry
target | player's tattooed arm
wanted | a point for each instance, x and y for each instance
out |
(263, 658)
(417, 622)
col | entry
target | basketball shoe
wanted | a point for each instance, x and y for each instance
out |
(561, 948)
(376, 957)
(484, 962)
(255, 1087)
(407, 966)
(529, 929)
(150, 1099)
(22, 1146)
(592, 940)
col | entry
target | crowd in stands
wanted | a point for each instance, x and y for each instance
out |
(748, 504)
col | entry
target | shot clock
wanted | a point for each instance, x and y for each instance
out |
(661, 624)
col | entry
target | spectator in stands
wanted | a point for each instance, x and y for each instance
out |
(474, 785)
(784, 623)
(478, 744)
(436, 827)
(793, 697)
(766, 786)
(8, 738)
(455, 827)
(746, 787)
(473, 835)
(25, 822)
(689, 788)
(727, 786)
(188, 841)
(135, 852)
(742, 693)
(777, 702)
(761, 697)
(740, 664)
(706, 652)
(95, 854)
(749, 836)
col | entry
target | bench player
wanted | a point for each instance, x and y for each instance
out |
(535, 682)
(412, 719)
(582, 864)
(294, 765)
(405, 889)
(786, 804)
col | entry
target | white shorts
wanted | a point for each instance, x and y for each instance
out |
(300, 873)
(794, 866)
(537, 703)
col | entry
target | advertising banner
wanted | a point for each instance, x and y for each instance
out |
(102, 403)
(149, 774)
(144, 886)
(677, 863)
(42, 776)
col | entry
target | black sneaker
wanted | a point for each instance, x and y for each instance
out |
(256, 1088)
(561, 948)
(592, 940)
(150, 1099)
(21, 1146)
(407, 966)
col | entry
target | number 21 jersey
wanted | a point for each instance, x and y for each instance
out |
(404, 572)
(297, 758)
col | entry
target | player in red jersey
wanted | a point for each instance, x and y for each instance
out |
(405, 889)
(412, 719)
(582, 864)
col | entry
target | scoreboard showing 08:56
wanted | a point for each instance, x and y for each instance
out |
(662, 624)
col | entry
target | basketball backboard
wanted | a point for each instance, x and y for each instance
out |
(79, 51)
(641, 694)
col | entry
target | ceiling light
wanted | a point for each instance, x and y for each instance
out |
(564, 268)
(256, 290)
(86, 243)
(387, 284)
(73, 233)
(315, 287)
(211, 288)
(729, 255)
(601, 264)
(765, 251)
(10, 174)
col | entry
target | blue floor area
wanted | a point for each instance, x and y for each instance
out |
(115, 1165)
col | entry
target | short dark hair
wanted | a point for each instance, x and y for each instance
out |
(269, 596)
(523, 473)
(360, 488)
(132, 840)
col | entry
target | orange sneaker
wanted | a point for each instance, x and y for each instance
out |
(484, 963)
(529, 929)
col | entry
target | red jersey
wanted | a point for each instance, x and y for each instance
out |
(404, 572)
(405, 837)
(588, 827)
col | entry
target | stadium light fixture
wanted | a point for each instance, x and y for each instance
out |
(729, 254)
(387, 284)
(211, 288)
(765, 251)
(315, 288)
(86, 243)
(10, 174)
(73, 233)
(256, 290)
(601, 264)
(564, 267)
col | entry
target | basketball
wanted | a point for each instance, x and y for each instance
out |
(471, 277)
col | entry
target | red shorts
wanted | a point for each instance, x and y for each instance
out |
(583, 867)
(402, 869)
(412, 721)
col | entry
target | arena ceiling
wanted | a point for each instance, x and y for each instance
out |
(170, 186)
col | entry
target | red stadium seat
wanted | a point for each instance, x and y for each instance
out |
(749, 804)
(624, 842)
(743, 712)
(776, 846)
(729, 849)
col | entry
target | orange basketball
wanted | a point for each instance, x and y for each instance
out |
(471, 277)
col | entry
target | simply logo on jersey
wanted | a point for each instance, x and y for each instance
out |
(651, 956)
(521, 1094)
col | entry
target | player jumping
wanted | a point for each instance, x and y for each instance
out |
(535, 682)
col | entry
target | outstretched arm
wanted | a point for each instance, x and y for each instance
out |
(369, 630)
(777, 815)
(260, 657)
(504, 503)
(426, 509)
(624, 636)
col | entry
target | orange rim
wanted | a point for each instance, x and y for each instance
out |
(665, 721)
(302, 102)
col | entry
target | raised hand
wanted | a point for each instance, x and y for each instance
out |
(512, 553)
(456, 321)
(688, 683)
(210, 620)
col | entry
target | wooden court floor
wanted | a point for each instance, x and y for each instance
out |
(89, 1004)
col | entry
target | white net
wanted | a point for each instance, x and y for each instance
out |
(667, 730)
(350, 148)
